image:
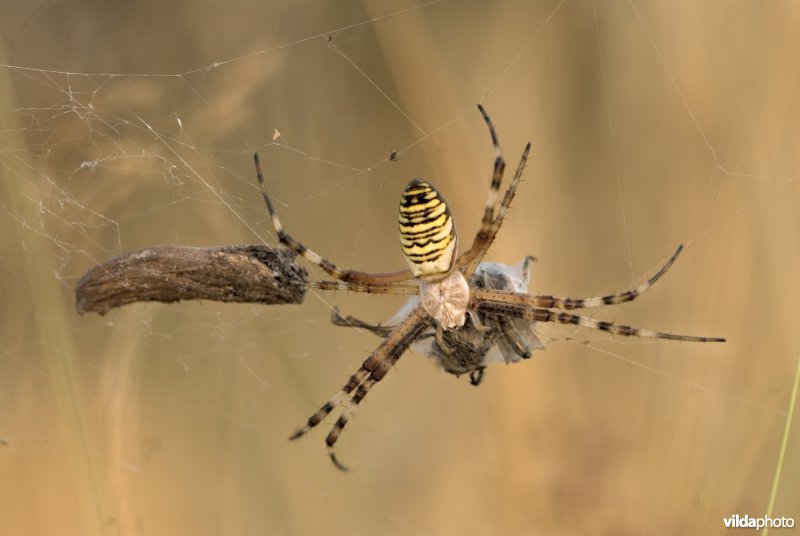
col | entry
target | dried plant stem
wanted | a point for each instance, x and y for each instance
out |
(243, 274)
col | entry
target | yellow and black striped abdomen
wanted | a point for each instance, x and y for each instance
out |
(427, 233)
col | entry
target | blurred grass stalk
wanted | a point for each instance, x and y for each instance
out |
(784, 442)
(49, 309)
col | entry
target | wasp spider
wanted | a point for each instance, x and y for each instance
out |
(464, 305)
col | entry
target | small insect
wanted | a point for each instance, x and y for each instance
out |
(463, 305)
(394, 156)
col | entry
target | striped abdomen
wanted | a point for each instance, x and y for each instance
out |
(427, 233)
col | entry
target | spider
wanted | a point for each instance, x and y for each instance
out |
(456, 298)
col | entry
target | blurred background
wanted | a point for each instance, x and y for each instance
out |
(127, 125)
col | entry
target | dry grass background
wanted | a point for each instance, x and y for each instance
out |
(173, 419)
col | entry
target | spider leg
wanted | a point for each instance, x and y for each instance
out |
(315, 258)
(550, 302)
(373, 370)
(344, 418)
(497, 173)
(370, 367)
(476, 321)
(354, 381)
(490, 224)
(352, 322)
(446, 348)
(545, 315)
(369, 288)
(337, 319)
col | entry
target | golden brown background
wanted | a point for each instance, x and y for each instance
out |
(126, 125)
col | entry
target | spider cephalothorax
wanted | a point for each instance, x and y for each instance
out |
(451, 288)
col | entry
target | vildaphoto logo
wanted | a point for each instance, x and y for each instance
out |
(747, 522)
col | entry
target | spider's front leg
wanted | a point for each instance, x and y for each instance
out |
(373, 370)
(348, 276)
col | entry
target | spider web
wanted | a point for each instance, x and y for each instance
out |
(652, 125)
